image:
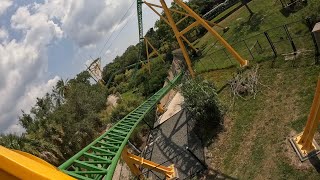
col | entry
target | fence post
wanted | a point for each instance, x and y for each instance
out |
(271, 44)
(248, 49)
(290, 39)
(317, 53)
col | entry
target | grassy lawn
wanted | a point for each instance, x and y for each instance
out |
(255, 142)
(226, 12)
(245, 31)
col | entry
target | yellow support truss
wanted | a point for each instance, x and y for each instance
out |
(153, 53)
(134, 161)
(198, 21)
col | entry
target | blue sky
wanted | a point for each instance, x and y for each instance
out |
(42, 41)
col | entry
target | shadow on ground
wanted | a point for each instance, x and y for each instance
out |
(315, 161)
(167, 145)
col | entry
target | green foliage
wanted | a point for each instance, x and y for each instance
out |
(62, 122)
(149, 84)
(161, 37)
(125, 105)
(202, 102)
(138, 133)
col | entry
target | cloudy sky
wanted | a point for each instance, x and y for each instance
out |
(42, 41)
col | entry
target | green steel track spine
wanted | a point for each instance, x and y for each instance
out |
(99, 158)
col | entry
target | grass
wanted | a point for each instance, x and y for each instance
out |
(245, 31)
(224, 13)
(255, 143)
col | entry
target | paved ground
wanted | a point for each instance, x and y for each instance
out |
(173, 108)
(122, 172)
(167, 145)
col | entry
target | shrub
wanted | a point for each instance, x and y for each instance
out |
(202, 103)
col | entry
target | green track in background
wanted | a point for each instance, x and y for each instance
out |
(99, 159)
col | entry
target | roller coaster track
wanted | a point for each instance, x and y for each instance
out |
(98, 160)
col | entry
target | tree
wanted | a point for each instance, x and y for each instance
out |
(56, 131)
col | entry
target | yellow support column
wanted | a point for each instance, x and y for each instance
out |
(201, 21)
(177, 34)
(304, 143)
(166, 21)
(153, 53)
(147, 51)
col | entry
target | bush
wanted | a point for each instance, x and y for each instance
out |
(202, 103)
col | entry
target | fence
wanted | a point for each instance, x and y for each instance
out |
(285, 40)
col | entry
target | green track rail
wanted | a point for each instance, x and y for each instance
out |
(99, 159)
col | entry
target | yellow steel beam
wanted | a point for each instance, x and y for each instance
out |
(154, 10)
(177, 34)
(172, 10)
(201, 21)
(134, 161)
(166, 21)
(154, 50)
(305, 141)
(20, 165)
(147, 51)
(187, 29)
(181, 20)
(189, 43)
(153, 53)
(150, 5)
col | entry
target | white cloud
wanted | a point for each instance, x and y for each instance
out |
(86, 22)
(29, 99)
(23, 64)
(39, 29)
(4, 5)
(3, 34)
(24, 61)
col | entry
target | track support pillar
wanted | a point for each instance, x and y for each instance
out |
(304, 143)
(134, 161)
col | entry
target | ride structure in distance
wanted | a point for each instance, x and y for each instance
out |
(95, 71)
